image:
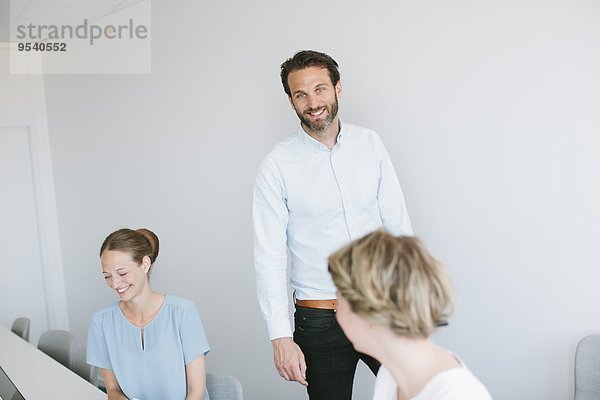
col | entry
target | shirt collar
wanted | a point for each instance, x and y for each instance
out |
(314, 144)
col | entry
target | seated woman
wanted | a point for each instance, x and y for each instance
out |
(148, 345)
(391, 295)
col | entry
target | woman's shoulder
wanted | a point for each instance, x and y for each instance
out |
(176, 302)
(106, 309)
(99, 317)
(455, 383)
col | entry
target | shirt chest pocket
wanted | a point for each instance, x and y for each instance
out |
(366, 180)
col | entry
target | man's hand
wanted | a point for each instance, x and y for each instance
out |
(289, 360)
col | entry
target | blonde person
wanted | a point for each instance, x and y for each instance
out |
(148, 345)
(391, 295)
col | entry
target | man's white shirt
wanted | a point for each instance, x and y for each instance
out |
(313, 201)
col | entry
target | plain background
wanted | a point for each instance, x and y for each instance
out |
(490, 111)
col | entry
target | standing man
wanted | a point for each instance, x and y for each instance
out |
(319, 189)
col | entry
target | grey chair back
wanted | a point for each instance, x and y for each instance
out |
(83, 369)
(59, 345)
(20, 327)
(223, 387)
(587, 368)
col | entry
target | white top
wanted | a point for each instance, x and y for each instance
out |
(315, 200)
(453, 384)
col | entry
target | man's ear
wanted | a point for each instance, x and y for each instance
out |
(338, 88)
(291, 102)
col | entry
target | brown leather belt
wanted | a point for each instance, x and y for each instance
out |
(322, 304)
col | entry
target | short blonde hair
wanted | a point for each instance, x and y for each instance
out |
(393, 281)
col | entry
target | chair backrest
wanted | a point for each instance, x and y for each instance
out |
(59, 345)
(223, 387)
(20, 327)
(83, 369)
(587, 368)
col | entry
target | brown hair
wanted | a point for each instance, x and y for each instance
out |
(137, 243)
(308, 58)
(393, 281)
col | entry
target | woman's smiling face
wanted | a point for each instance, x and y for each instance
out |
(124, 275)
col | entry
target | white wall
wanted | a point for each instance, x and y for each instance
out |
(488, 109)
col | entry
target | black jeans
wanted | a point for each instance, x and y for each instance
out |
(330, 357)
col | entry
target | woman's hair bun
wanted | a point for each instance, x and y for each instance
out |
(153, 240)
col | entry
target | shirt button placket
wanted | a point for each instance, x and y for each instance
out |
(341, 184)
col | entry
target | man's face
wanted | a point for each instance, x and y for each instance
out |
(314, 97)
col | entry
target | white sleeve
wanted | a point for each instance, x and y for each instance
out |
(270, 219)
(390, 199)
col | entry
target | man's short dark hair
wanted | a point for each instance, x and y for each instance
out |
(308, 58)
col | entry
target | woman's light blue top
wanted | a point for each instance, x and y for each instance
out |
(156, 369)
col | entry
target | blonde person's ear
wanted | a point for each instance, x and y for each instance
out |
(369, 325)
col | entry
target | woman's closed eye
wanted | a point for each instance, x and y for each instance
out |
(120, 274)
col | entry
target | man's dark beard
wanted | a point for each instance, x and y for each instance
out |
(321, 125)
